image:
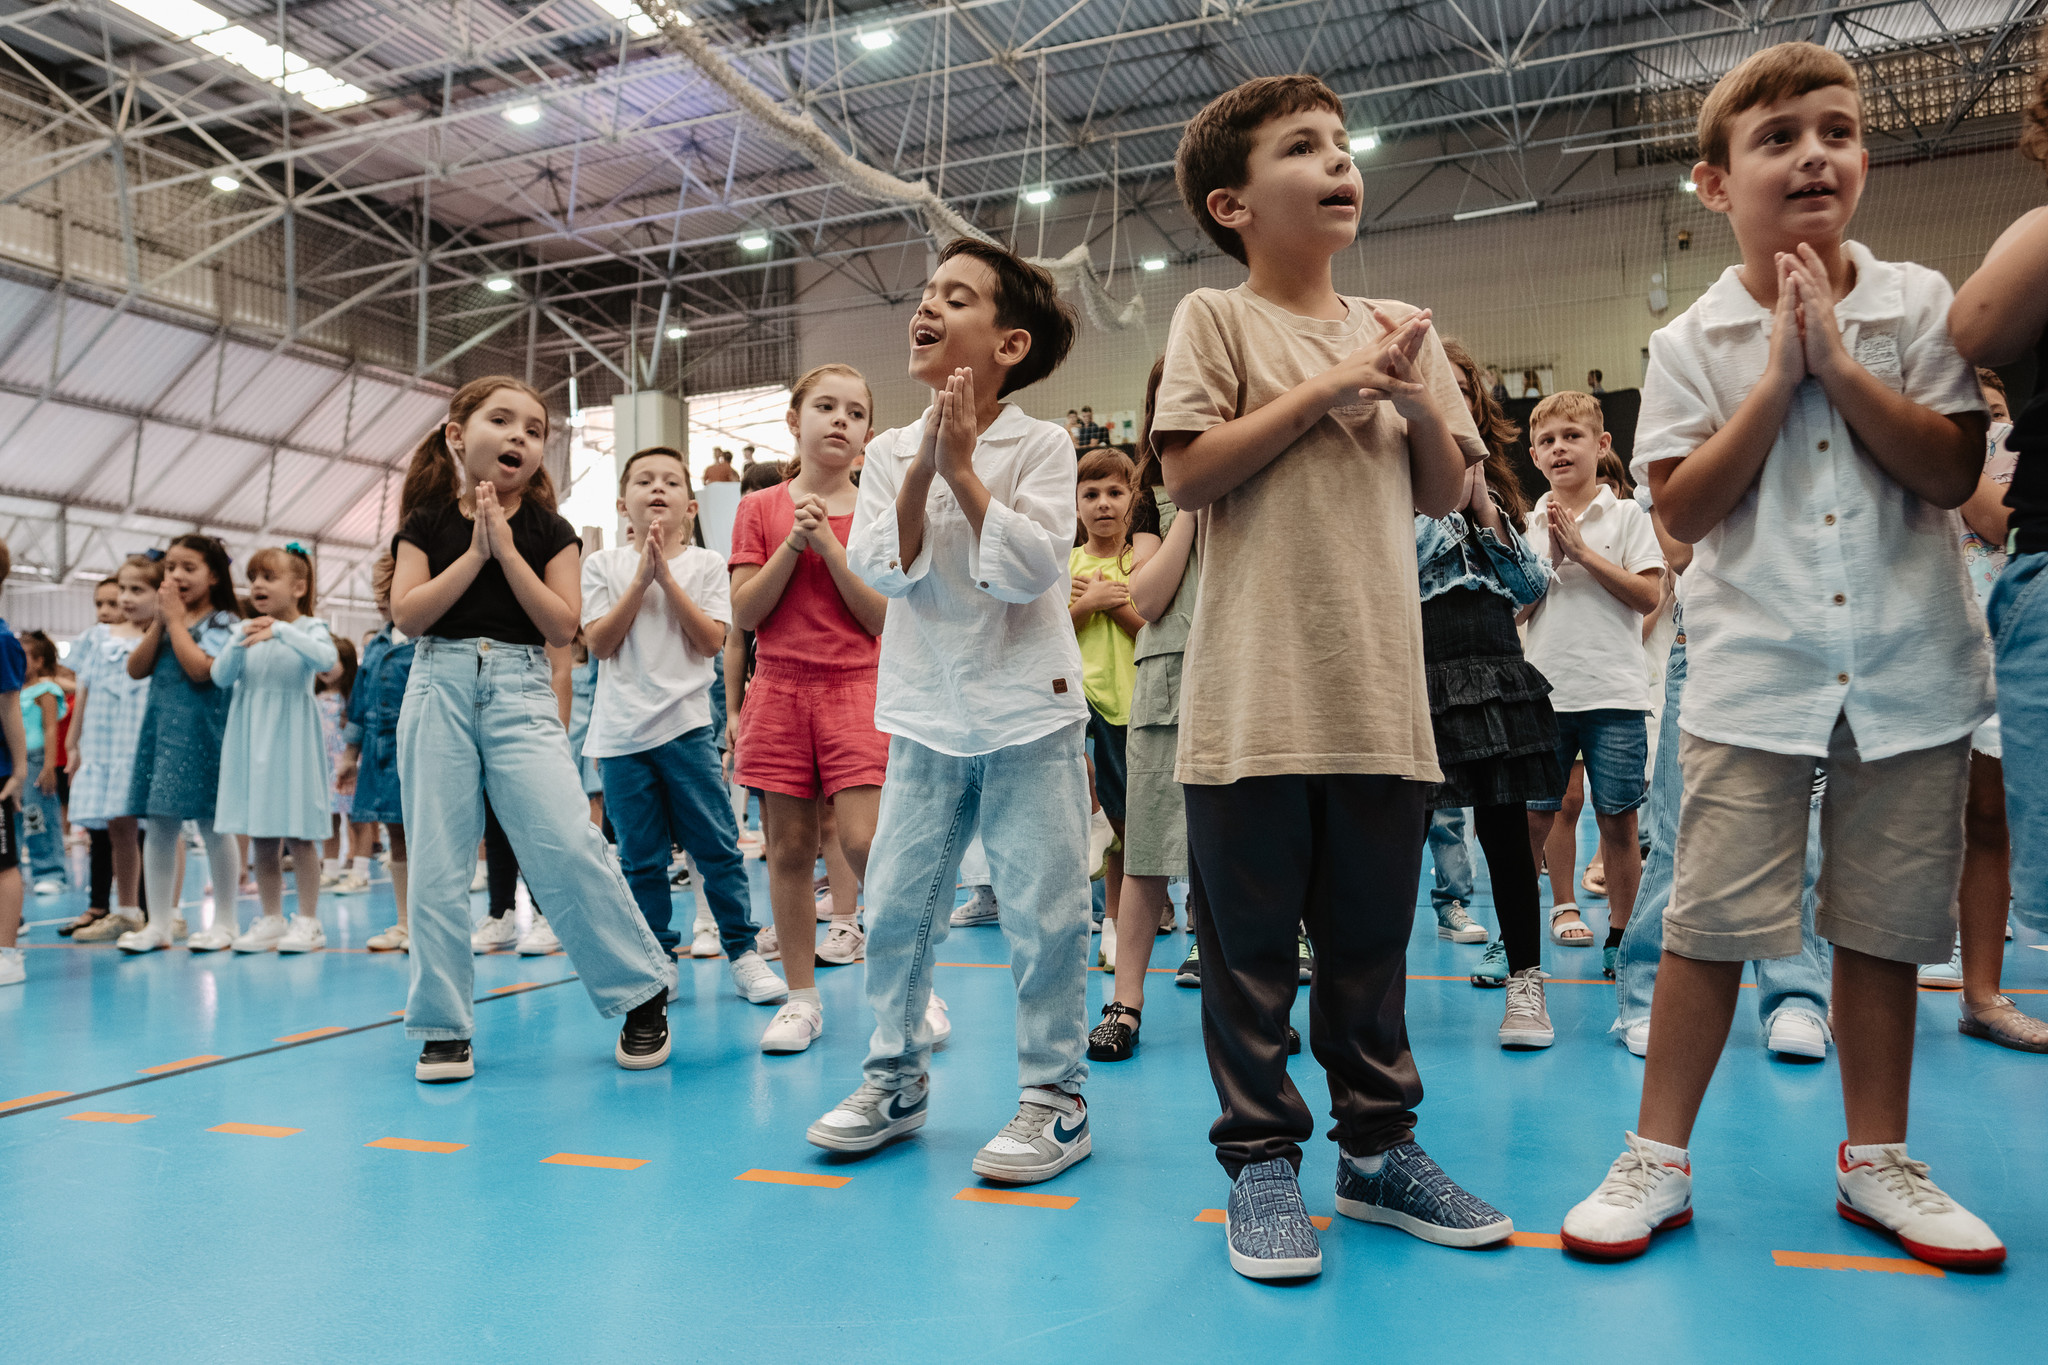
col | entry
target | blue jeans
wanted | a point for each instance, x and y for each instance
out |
(1451, 857)
(2019, 628)
(1032, 802)
(481, 718)
(1616, 745)
(41, 824)
(675, 794)
(1802, 981)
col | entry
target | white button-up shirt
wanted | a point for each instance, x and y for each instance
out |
(1829, 590)
(978, 652)
(1583, 638)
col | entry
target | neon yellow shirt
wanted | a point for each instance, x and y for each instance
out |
(1109, 663)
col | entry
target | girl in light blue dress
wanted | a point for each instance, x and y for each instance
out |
(275, 784)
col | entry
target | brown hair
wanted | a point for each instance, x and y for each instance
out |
(221, 596)
(152, 570)
(648, 453)
(39, 646)
(279, 560)
(1026, 297)
(381, 573)
(345, 650)
(6, 561)
(759, 475)
(801, 390)
(1496, 432)
(1215, 149)
(1611, 467)
(1990, 380)
(1569, 405)
(1150, 477)
(112, 580)
(434, 478)
(1107, 462)
(1784, 72)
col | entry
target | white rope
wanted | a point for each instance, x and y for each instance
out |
(1073, 272)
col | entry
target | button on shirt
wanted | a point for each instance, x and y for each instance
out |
(1584, 639)
(1829, 590)
(978, 652)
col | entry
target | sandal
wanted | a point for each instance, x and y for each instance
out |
(1569, 935)
(1595, 880)
(89, 917)
(1113, 1040)
(2006, 1025)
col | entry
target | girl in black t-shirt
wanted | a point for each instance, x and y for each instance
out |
(487, 575)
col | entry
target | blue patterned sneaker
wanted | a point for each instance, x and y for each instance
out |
(1412, 1193)
(1267, 1226)
(1492, 970)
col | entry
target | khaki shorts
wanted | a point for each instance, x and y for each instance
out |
(1891, 836)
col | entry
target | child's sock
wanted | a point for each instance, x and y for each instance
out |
(361, 865)
(1664, 1151)
(1613, 937)
(399, 875)
(809, 993)
(1366, 1165)
(330, 866)
(1869, 1151)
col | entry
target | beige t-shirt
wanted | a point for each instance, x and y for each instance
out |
(1306, 650)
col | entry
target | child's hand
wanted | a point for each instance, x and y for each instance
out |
(1824, 353)
(71, 762)
(1100, 594)
(1565, 539)
(47, 781)
(1787, 362)
(257, 630)
(654, 553)
(811, 527)
(170, 606)
(500, 529)
(480, 527)
(957, 436)
(927, 462)
(11, 788)
(1386, 368)
(345, 774)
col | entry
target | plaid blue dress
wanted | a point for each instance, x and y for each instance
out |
(112, 728)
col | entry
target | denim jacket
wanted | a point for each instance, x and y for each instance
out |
(380, 687)
(1447, 557)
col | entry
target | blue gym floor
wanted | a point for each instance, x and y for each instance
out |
(136, 1228)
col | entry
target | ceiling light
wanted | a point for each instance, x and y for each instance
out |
(637, 24)
(1040, 195)
(1364, 142)
(523, 114)
(678, 333)
(265, 60)
(1152, 263)
(1497, 208)
(226, 184)
(754, 241)
(1689, 187)
(875, 39)
(497, 284)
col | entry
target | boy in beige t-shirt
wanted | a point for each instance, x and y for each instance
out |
(1307, 428)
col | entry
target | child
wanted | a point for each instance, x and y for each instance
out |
(1586, 637)
(347, 871)
(86, 652)
(1805, 425)
(1496, 737)
(274, 783)
(13, 673)
(369, 762)
(1106, 626)
(487, 576)
(1292, 416)
(177, 754)
(808, 738)
(655, 613)
(43, 709)
(964, 524)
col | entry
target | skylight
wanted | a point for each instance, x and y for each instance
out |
(637, 24)
(249, 50)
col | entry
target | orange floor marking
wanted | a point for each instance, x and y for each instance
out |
(310, 1033)
(1216, 1216)
(608, 1163)
(6, 1105)
(1821, 1260)
(254, 1130)
(415, 1145)
(1548, 1240)
(178, 1065)
(515, 986)
(1035, 1201)
(823, 1182)
(95, 1116)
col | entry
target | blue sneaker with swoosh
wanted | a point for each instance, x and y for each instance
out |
(1049, 1134)
(871, 1116)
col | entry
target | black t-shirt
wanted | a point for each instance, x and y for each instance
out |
(488, 610)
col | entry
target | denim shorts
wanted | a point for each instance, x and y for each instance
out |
(1616, 747)
(2018, 611)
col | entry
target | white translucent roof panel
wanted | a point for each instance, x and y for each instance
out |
(374, 515)
(242, 367)
(270, 488)
(333, 488)
(392, 427)
(135, 360)
(47, 449)
(275, 404)
(212, 470)
(18, 303)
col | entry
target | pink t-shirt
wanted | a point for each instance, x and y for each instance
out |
(811, 624)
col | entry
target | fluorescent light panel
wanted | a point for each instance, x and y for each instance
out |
(1488, 213)
(1153, 263)
(678, 333)
(523, 114)
(875, 39)
(226, 184)
(1038, 196)
(753, 242)
(1363, 142)
(265, 60)
(497, 284)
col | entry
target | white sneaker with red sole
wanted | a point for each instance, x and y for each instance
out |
(1644, 1193)
(1887, 1190)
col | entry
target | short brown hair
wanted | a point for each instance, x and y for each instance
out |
(1569, 405)
(6, 561)
(648, 453)
(1989, 379)
(1611, 467)
(1106, 462)
(382, 571)
(1025, 297)
(279, 560)
(1784, 72)
(1216, 147)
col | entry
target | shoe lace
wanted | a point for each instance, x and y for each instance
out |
(1630, 1180)
(1029, 1123)
(1907, 1179)
(870, 1096)
(1525, 995)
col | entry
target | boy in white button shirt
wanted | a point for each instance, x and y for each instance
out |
(1808, 425)
(965, 522)
(1586, 637)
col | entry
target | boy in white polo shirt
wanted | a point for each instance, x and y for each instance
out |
(1808, 425)
(1586, 637)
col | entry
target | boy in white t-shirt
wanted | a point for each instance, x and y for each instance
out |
(655, 614)
(1586, 637)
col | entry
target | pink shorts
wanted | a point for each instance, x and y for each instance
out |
(807, 732)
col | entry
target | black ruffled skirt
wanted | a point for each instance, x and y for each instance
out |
(1496, 736)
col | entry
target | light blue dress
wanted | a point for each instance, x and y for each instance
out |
(274, 779)
(112, 727)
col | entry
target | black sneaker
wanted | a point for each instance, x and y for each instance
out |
(643, 1042)
(1113, 1040)
(1305, 957)
(1293, 1041)
(1190, 973)
(444, 1059)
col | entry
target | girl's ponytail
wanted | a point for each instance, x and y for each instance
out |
(433, 478)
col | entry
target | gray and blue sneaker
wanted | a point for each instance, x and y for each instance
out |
(980, 909)
(1267, 1226)
(1049, 1134)
(871, 1116)
(1492, 970)
(1454, 924)
(1412, 1193)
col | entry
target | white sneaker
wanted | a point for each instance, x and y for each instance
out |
(213, 940)
(178, 930)
(752, 845)
(353, 882)
(1100, 836)
(1637, 1038)
(936, 1018)
(1105, 955)
(304, 936)
(756, 983)
(396, 939)
(540, 940)
(1644, 1192)
(493, 934)
(704, 943)
(1525, 1022)
(844, 944)
(147, 939)
(329, 880)
(793, 1027)
(13, 970)
(263, 934)
(1049, 1134)
(1796, 1033)
(49, 887)
(824, 907)
(979, 909)
(1890, 1191)
(1944, 976)
(768, 944)
(482, 880)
